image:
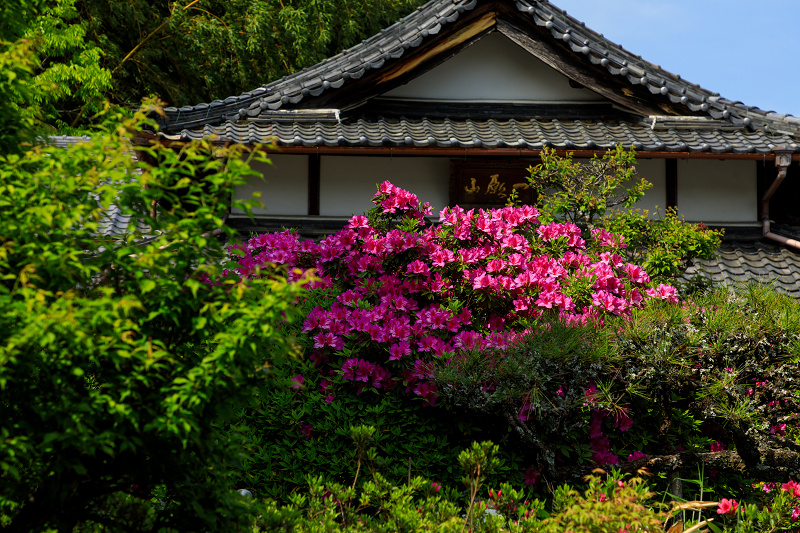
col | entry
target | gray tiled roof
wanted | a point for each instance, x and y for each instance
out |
(498, 133)
(392, 43)
(742, 261)
(113, 223)
(65, 141)
(116, 224)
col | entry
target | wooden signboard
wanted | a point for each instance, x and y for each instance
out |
(488, 183)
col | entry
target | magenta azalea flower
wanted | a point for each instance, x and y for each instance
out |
(531, 476)
(428, 391)
(778, 429)
(305, 430)
(471, 283)
(727, 506)
(792, 488)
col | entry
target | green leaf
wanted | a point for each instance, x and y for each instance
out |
(146, 285)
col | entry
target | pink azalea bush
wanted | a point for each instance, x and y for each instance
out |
(409, 293)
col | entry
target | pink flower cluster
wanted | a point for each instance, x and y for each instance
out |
(778, 429)
(598, 441)
(531, 476)
(419, 291)
(727, 506)
(635, 456)
(793, 488)
(400, 202)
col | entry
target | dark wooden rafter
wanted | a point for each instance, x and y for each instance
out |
(451, 40)
(443, 50)
(579, 73)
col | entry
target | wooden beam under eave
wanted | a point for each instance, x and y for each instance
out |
(486, 22)
(761, 186)
(561, 62)
(413, 151)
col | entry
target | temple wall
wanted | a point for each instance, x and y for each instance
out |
(654, 200)
(711, 191)
(348, 183)
(284, 188)
(494, 69)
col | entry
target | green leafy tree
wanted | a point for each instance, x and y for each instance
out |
(585, 193)
(198, 50)
(121, 358)
(663, 246)
(601, 193)
(90, 51)
(52, 73)
(16, 70)
(69, 81)
(17, 63)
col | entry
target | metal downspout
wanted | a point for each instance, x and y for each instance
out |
(783, 158)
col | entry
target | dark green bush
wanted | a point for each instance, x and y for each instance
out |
(119, 361)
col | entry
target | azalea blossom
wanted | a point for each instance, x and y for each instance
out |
(778, 429)
(531, 476)
(472, 283)
(664, 292)
(297, 382)
(792, 488)
(727, 506)
(305, 430)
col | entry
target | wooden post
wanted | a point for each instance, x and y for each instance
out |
(672, 182)
(313, 184)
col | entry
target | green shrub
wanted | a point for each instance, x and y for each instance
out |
(119, 361)
(601, 193)
(609, 503)
(292, 433)
(663, 246)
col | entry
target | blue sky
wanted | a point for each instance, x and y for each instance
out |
(745, 50)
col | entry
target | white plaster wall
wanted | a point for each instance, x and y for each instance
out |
(655, 199)
(348, 183)
(710, 190)
(284, 187)
(494, 69)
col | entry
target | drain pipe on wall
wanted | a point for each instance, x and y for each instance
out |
(783, 158)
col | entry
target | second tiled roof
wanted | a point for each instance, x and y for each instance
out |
(497, 133)
(739, 262)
